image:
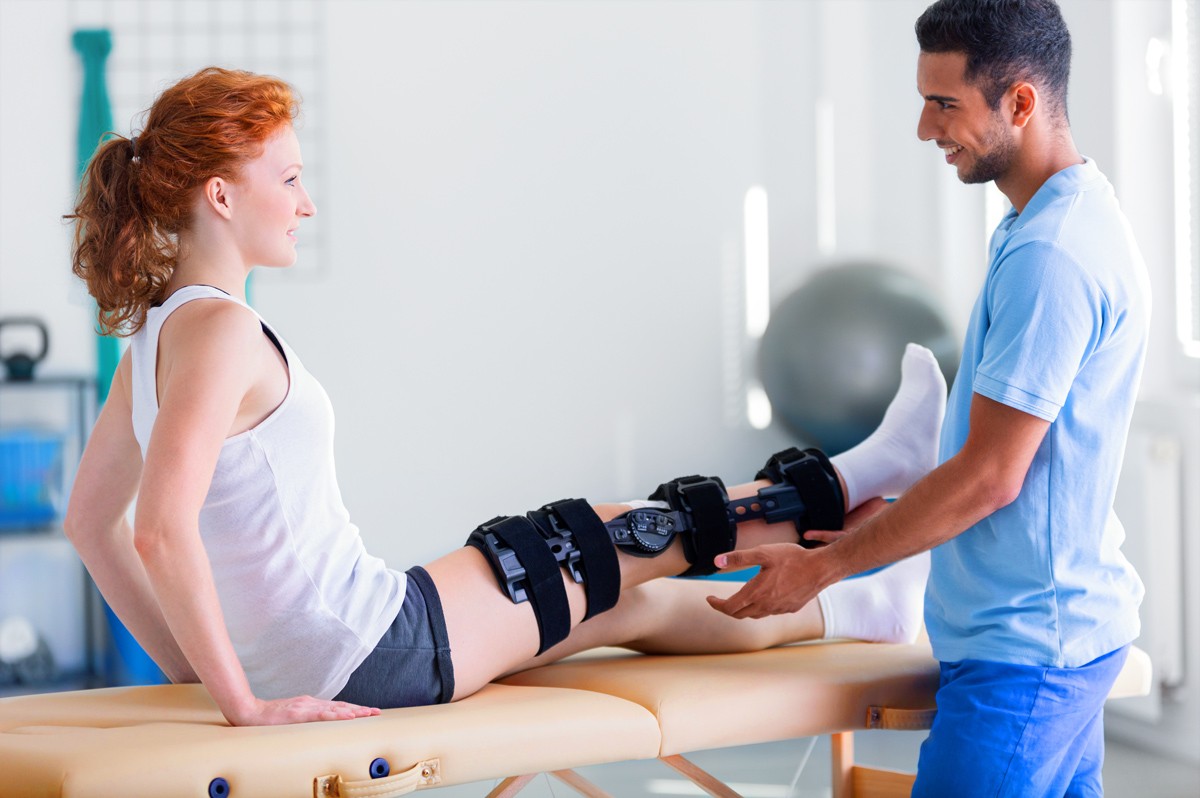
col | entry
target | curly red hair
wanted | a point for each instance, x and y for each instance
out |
(136, 197)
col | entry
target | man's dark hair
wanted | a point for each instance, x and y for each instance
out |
(1004, 41)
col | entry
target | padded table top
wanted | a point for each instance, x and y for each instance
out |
(604, 706)
(720, 700)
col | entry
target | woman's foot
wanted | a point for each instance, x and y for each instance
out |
(905, 445)
(887, 606)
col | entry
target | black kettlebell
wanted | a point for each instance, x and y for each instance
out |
(19, 365)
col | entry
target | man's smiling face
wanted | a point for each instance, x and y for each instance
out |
(975, 138)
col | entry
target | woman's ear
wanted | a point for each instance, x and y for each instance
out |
(217, 196)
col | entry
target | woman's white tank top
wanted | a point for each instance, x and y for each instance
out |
(303, 601)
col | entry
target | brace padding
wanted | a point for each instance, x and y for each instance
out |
(816, 481)
(524, 564)
(713, 532)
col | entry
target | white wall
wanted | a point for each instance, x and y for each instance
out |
(530, 256)
(533, 213)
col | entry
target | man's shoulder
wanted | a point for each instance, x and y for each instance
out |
(1090, 209)
(1084, 228)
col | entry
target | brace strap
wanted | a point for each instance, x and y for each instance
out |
(596, 565)
(818, 501)
(712, 531)
(543, 584)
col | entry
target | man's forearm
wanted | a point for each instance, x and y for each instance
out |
(946, 502)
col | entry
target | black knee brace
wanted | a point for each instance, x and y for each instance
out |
(698, 514)
(806, 491)
(526, 552)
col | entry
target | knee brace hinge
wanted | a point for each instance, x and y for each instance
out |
(698, 512)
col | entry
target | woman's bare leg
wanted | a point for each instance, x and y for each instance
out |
(672, 616)
(489, 635)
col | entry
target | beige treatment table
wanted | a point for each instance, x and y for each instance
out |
(608, 706)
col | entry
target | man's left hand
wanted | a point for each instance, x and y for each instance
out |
(788, 580)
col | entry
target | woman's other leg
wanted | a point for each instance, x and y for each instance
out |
(672, 616)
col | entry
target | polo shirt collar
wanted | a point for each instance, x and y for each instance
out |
(1064, 183)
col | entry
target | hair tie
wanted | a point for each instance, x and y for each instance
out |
(133, 147)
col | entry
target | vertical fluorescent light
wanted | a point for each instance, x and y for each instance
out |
(1186, 271)
(826, 187)
(758, 261)
(758, 406)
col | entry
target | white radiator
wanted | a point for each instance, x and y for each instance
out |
(1156, 507)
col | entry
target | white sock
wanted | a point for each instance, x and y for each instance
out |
(905, 445)
(886, 607)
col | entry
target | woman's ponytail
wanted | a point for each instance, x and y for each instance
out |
(119, 252)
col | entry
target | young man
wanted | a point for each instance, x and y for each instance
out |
(1030, 606)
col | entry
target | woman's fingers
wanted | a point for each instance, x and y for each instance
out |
(302, 709)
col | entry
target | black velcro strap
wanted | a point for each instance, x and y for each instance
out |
(712, 533)
(598, 556)
(774, 468)
(815, 479)
(817, 482)
(543, 578)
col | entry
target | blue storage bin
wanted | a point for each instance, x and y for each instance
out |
(126, 663)
(31, 478)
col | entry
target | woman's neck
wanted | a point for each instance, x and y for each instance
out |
(206, 266)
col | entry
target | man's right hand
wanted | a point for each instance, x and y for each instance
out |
(854, 519)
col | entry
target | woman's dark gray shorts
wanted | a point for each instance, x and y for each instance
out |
(411, 665)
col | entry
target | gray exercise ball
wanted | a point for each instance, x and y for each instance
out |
(830, 356)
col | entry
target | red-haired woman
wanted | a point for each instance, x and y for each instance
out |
(242, 568)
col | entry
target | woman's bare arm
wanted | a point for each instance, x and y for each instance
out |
(96, 525)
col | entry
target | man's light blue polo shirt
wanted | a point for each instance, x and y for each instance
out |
(1059, 332)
